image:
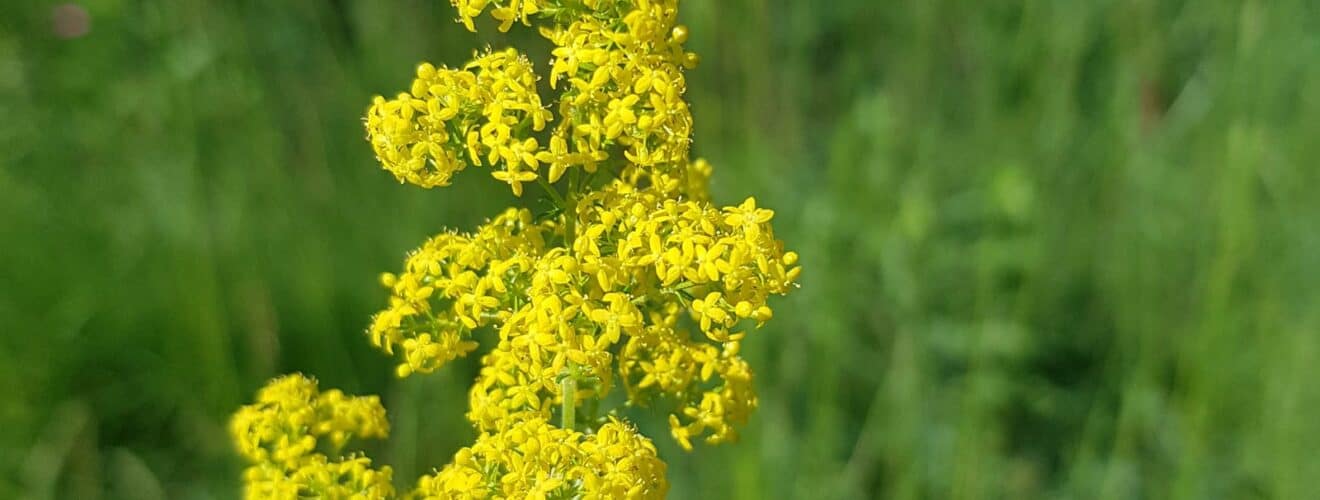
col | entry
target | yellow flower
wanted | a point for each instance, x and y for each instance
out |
(621, 315)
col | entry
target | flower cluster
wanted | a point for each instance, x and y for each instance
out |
(453, 284)
(536, 460)
(280, 434)
(619, 65)
(451, 118)
(615, 304)
(635, 279)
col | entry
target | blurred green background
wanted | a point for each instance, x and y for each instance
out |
(1051, 249)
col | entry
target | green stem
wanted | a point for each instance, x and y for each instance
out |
(570, 228)
(568, 416)
(570, 209)
(554, 194)
(568, 385)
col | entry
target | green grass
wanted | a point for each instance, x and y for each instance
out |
(1053, 250)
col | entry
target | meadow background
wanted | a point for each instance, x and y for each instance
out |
(1050, 249)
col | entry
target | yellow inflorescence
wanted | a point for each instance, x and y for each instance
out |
(534, 459)
(283, 434)
(451, 118)
(634, 280)
(453, 284)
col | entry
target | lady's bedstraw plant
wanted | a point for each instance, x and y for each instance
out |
(634, 280)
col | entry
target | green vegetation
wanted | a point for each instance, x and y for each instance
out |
(1058, 250)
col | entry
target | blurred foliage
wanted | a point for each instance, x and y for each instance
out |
(1052, 249)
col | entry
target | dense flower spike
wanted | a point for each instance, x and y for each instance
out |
(634, 280)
